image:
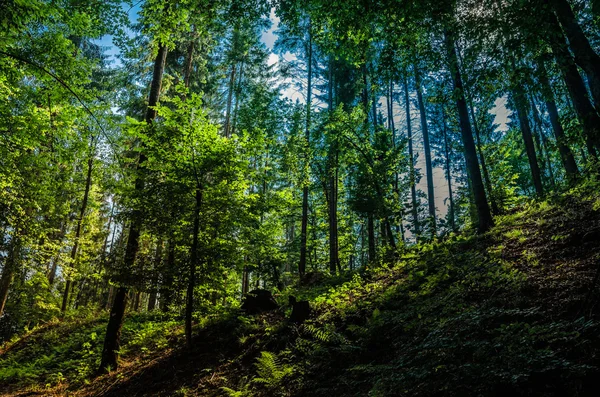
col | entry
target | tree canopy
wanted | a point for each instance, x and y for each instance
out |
(219, 147)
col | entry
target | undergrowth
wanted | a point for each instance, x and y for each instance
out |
(498, 314)
(68, 351)
(512, 312)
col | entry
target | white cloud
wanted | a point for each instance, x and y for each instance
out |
(501, 113)
(269, 36)
(273, 59)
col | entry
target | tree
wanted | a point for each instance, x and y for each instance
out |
(113, 331)
(427, 150)
(485, 220)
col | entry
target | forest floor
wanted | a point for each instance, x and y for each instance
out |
(513, 312)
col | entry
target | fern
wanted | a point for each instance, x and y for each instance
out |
(323, 335)
(271, 371)
(235, 393)
(306, 346)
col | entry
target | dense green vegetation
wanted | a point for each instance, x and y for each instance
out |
(415, 182)
(492, 315)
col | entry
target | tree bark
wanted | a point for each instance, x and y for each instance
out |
(448, 175)
(54, 267)
(304, 221)
(112, 342)
(238, 91)
(189, 59)
(566, 155)
(74, 249)
(154, 288)
(136, 304)
(427, 150)
(542, 142)
(245, 281)
(333, 187)
(370, 215)
(522, 106)
(333, 226)
(411, 162)
(390, 235)
(586, 113)
(585, 56)
(110, 355)
(166, 293)
(189, 302)
(484, 215)
(371, 236)
(8, 271)
(484, 168)
(390, 103)
(227, 126)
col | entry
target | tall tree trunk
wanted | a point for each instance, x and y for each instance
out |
(74, 249)
(166, 287)
(245, 281)
(370, 215)
(333, 187)
(227, 126)
(391, 126)
(136, 302)
(585, 56)
(108, 234)
(427, 150)
(106, 303)
(362, 245)
(333, 240)
(543, 142)
(371, 236)
(54, 267)
(189, 60)
(110, 355)
(238, 90)
(113, 332)
(9, 269)
(373, 96)
(586, 113)
(451, 210)
(388, 99)
(390, 235)
(411, 162)
(304, 227)
(484, 169)
(471, 196)
(484, 215)
(189, 302)
(109, 297)
(522, 107)
(568, 160)
(154, 287)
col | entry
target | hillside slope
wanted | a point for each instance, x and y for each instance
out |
(514, 312)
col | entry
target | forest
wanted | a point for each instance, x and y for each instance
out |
(299, 198)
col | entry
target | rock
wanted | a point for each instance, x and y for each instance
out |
(300, 310)
(258, 301)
